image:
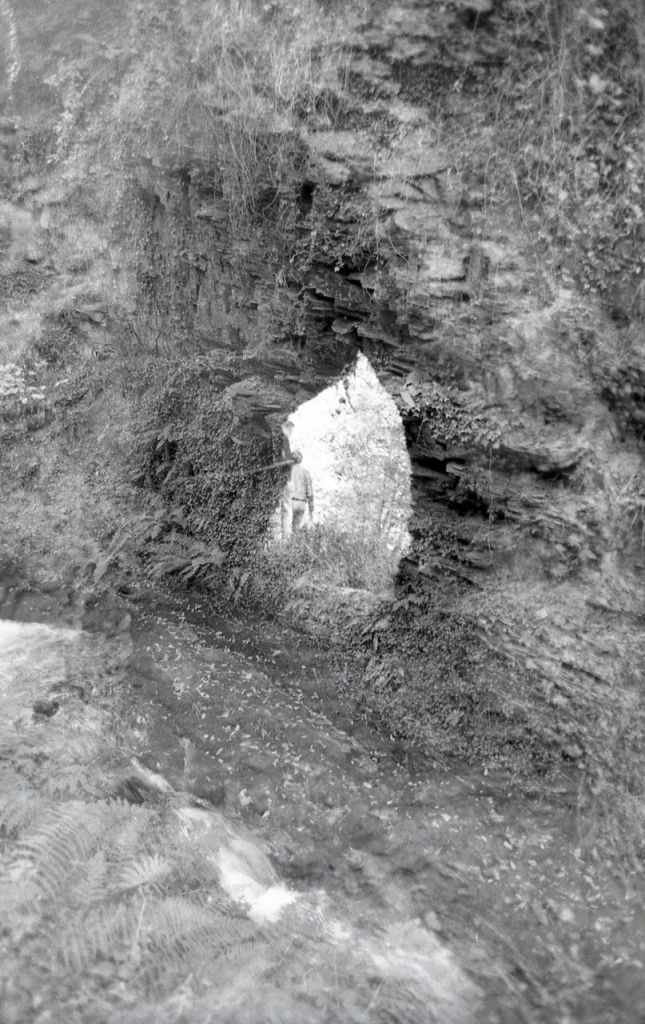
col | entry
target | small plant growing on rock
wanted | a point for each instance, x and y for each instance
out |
(321, 575)
(14, 387)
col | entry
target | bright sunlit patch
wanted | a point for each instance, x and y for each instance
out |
(31, 655)
(353, 445)
(264, 902)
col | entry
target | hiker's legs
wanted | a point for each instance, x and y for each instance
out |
(299, 509)
(287, 518)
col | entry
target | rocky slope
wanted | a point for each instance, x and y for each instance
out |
(522, 401)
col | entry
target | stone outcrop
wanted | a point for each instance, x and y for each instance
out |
(523, 405)
(517, 405)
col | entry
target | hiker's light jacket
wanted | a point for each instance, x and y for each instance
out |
(301, 487)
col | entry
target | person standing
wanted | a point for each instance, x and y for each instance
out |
(299, 496)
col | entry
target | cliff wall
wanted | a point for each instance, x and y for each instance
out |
(522, 395)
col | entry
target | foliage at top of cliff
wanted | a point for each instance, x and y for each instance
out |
(224, 84)
(554, 87)
(560, 136)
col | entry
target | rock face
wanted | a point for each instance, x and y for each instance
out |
(522, 404)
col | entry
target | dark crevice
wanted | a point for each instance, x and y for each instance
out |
(428, 462)
(307, 190)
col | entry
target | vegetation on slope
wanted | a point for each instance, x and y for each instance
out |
(559, 136)
(227, 87)
(84, 372)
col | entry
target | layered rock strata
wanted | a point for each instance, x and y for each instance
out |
(522, 403)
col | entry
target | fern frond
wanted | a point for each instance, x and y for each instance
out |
(59, 845)
(183, 554)
(147, 871)
(71, 780)
(178, 937)
(105, 931)
(94, 886)
(160, 940)
(165, 566)
(200, 562)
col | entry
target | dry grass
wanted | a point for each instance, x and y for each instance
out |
(321, 574)
(558, 137)
(228, 85)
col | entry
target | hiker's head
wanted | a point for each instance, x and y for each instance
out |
(296, 456)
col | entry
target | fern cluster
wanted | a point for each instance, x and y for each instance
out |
(119, 912)
(99, 891)
(98, 898)
(159, 533)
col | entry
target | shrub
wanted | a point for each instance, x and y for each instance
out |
(202, 496)
(320, 574)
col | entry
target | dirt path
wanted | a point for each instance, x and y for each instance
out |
(271, 866)
(546, 933)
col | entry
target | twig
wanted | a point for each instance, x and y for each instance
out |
(518, 959)
(274, 465)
